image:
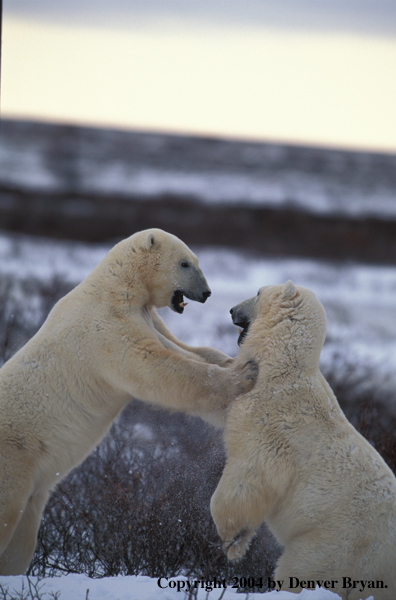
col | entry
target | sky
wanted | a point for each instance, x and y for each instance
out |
(316, 72)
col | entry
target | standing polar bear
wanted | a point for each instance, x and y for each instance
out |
(295, 461)
(101, 344)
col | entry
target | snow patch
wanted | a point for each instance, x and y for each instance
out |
(139, 587)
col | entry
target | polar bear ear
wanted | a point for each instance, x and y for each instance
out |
(289, 290)
(147, 241)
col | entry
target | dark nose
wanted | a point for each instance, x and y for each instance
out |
(206, 295)
(232, 311)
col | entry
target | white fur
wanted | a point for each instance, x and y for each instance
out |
(101, 344)
(296, 462)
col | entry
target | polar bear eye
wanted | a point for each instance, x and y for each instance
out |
(185, 265)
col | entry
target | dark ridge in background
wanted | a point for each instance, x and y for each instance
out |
(67, 204)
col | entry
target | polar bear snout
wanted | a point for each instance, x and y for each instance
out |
(238, 316)
(205, 295)
(241, 315)
(243, 312)
(197, 296)
(195, 287)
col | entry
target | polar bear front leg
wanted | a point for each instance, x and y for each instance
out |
(206, 353)
(236, 511)
(152, 373)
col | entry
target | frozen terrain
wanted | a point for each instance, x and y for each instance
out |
(37, 156)
(98, 185)
(80, 587)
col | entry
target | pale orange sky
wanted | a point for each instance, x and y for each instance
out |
(326, 88)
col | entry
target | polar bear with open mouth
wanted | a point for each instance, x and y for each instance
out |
(101, 345)
(295, 461)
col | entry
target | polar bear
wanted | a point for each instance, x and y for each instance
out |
(101, 344)
(295, 461)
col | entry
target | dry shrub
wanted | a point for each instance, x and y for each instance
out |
(140, 505)
(370, 412)
(24, 306)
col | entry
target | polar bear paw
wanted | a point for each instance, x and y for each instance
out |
(236, 549)
(246, 376)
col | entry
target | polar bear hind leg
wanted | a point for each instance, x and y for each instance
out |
(20, 510)
(20, 549)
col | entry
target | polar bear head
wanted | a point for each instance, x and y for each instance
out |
(285, 321)
(158, 269)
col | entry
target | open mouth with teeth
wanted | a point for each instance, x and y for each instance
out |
(177, 301)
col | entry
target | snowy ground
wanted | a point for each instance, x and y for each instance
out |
(361, 310)
(80, 587)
